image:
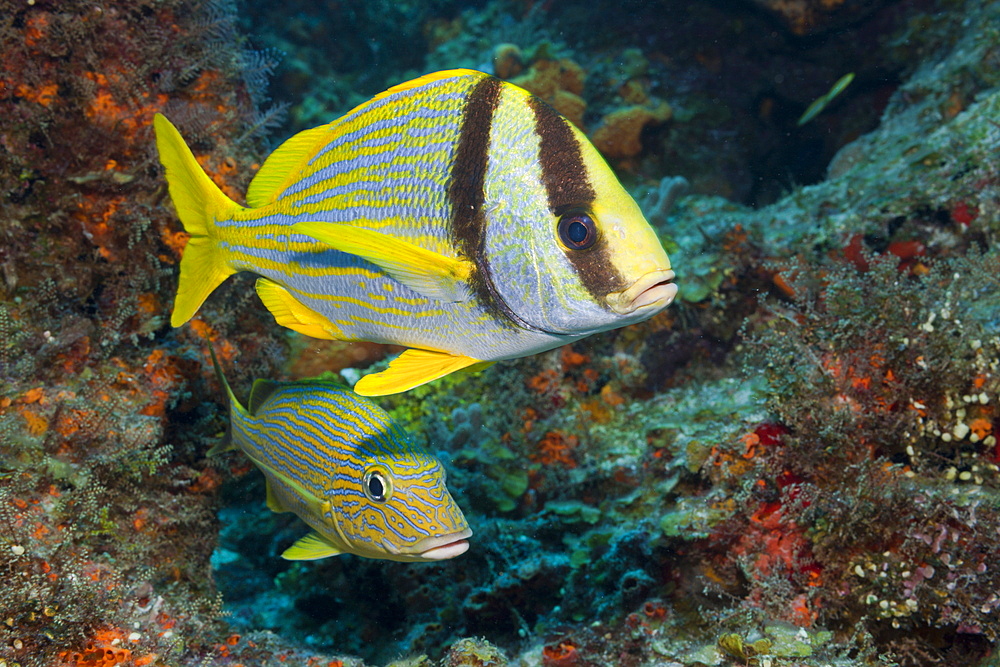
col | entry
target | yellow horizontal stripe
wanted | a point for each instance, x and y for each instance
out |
(342, 301)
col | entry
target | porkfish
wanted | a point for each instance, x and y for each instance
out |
(344, 467)
(456, 215)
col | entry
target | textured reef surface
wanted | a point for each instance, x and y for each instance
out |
(795, 464)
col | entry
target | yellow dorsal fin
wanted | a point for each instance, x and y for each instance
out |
(289, 312)
(199, 203)
(311, 547)
(426, 272)
(425, 79)
(411, 369)
(282, 166)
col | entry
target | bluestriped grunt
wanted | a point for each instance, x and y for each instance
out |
(344, 467)
(455, 214)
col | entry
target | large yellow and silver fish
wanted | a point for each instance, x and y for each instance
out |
(455, 214)
(344, 467)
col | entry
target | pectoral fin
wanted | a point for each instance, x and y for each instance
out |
(273, 503)
(290, 312)
(411, 369)
(426, 272)
(296, 492)
(311, 547)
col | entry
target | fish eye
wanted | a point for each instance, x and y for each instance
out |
(577, 230)
(376, 485)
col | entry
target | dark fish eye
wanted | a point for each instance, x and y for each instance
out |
(376, 486)
(577, 231)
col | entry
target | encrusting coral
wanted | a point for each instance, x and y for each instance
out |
(106, 500)
(558, 82)
(619, 134)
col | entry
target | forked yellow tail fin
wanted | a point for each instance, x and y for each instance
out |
(199, 203)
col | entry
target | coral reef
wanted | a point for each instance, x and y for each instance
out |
(796, 464)
(805, 17)
(618, 135)
(508, 60)
(106, 504)
(336, 56)
(558, 82)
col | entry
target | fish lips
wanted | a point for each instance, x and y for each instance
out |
(444, 546)
(650, 293)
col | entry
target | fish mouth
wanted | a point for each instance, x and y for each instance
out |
(444, 546)
(653, 291)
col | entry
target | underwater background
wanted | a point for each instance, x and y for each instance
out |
(796, 463)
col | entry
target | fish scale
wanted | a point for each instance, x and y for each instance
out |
(434, 217)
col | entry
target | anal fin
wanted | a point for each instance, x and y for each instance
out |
(311, 547)
(290, 312)
(411, 369)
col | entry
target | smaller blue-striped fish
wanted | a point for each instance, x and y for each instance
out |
(344, 467)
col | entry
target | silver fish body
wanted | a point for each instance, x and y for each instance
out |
(456, 215)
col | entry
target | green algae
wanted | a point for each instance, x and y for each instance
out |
(572, 511)
(789, 641)
(692, 518)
